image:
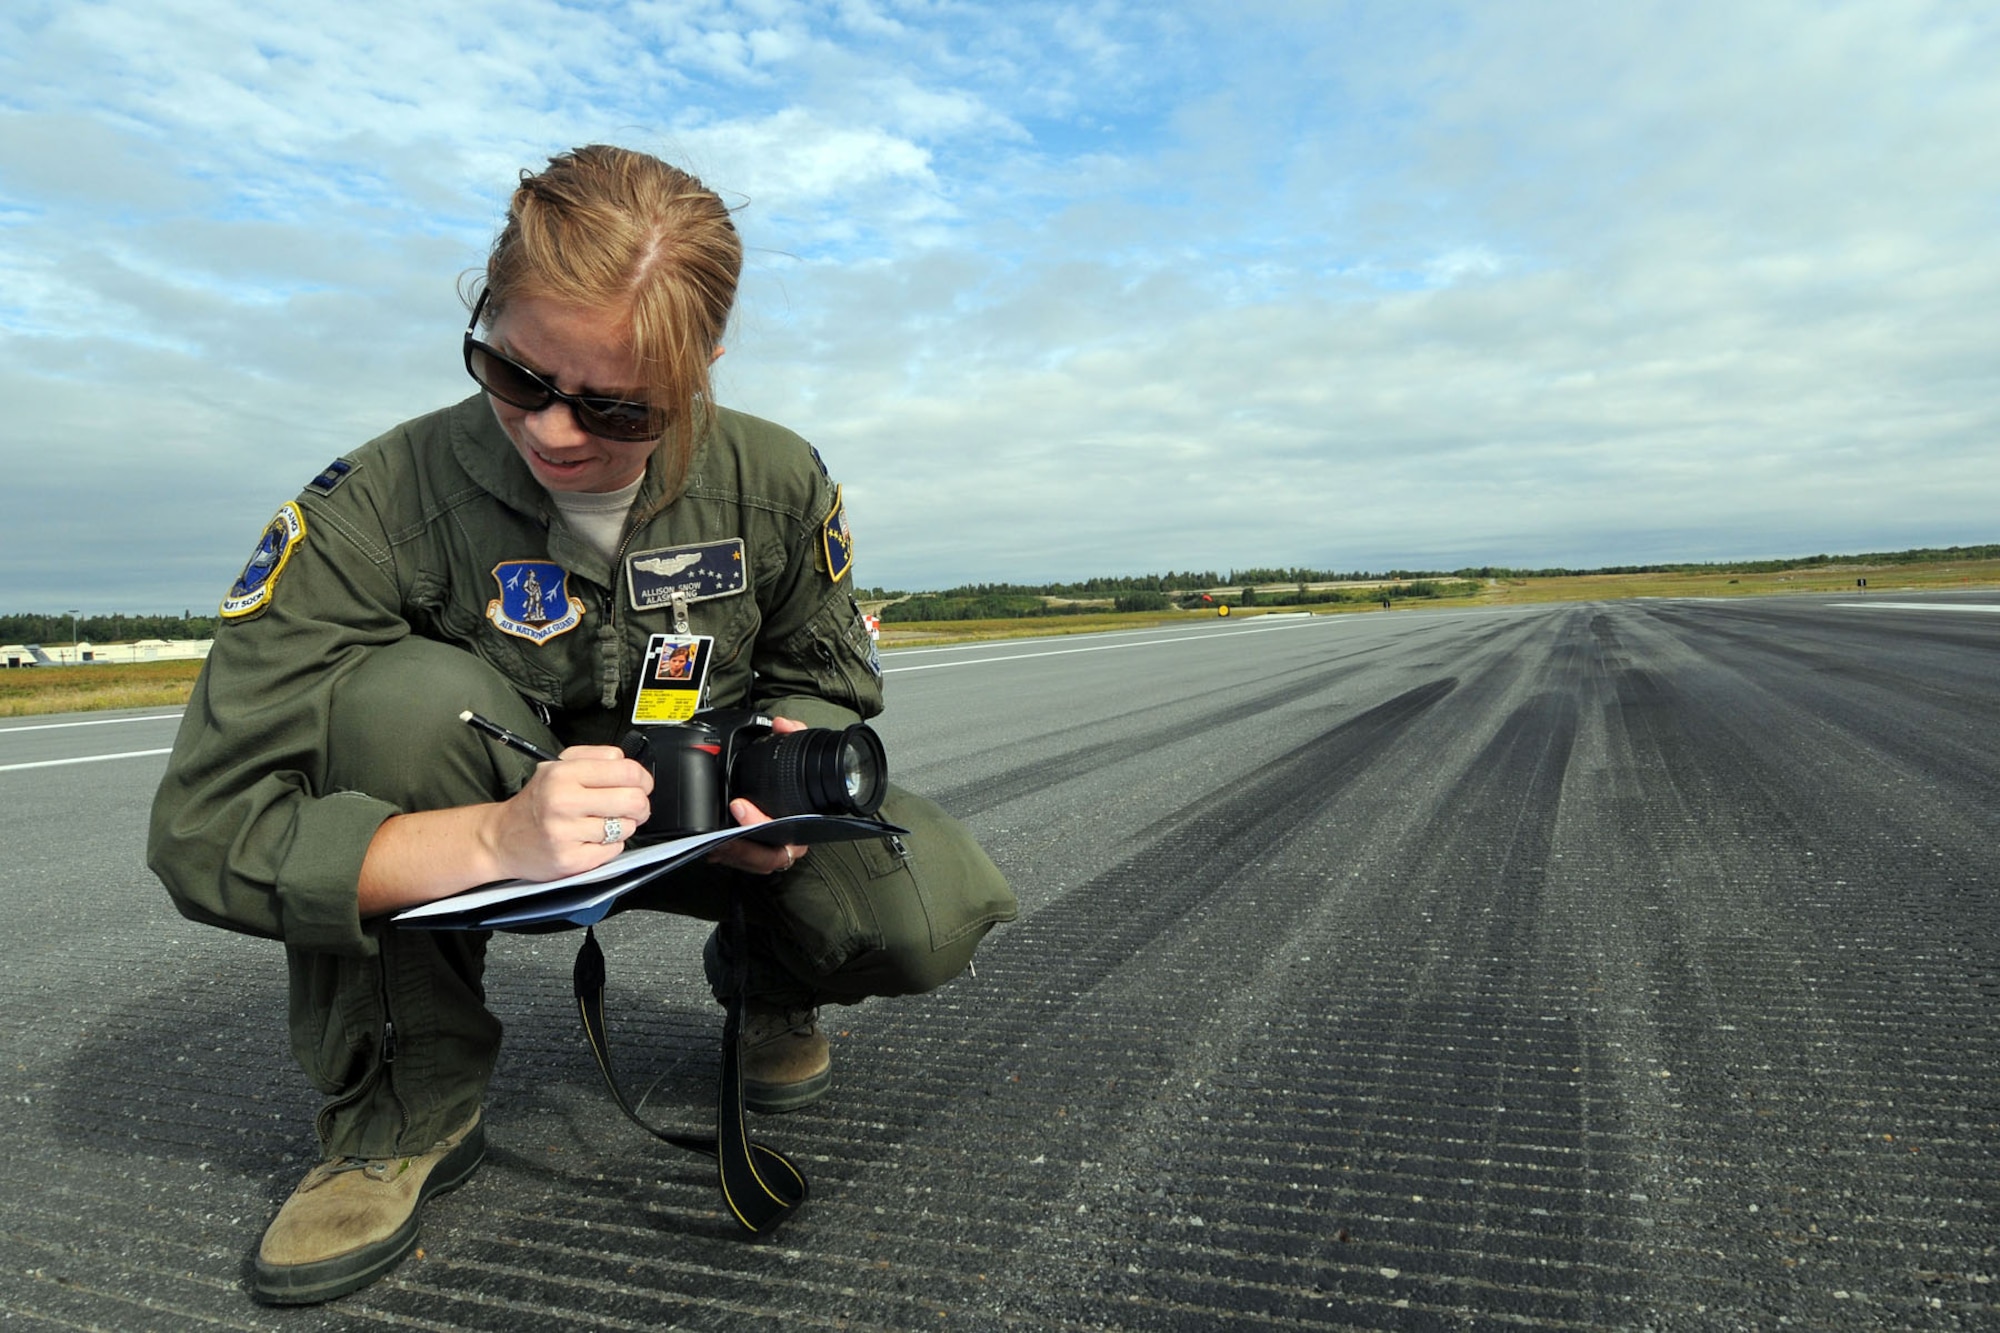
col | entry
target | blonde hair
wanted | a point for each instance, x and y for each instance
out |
(609, 228)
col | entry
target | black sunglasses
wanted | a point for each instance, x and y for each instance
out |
(515, 384)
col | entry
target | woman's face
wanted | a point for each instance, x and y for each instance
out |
(584, 351)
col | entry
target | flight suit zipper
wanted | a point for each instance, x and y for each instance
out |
(613, 682)
(388, 1061)
(381, 1076)
(824, 651)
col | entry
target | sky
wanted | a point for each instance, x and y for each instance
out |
(1058, 290)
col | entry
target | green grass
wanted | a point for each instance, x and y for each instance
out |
(1817, 578)
(27, 691)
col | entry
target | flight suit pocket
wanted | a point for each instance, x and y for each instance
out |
(957, 887)
(918, 901)
(336, 1018)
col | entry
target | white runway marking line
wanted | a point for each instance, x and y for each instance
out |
(88, 758)
(1990, 608)
(85, 759)
(1195, 637)
(91, 722)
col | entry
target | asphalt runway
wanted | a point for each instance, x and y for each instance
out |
(1616, 965)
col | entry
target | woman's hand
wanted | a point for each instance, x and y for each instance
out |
(556, 824)
(553, 826)
(755, 857)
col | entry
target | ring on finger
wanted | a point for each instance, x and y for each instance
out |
(614, 830)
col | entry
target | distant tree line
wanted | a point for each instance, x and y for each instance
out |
(1138, 586)
(1928, 555)
(1413, 590)
(983, 606)
(55, 628)
(1104, 587)
(960, 605)
(1247, 576)
(1020, 596)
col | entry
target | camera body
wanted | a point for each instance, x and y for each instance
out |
(702, 764)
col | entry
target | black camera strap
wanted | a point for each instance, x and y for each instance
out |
(760, 1185)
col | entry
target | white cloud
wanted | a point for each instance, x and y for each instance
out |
(796, 160)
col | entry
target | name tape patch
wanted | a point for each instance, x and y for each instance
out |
(695, 573)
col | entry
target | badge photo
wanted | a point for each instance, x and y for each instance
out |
(673, 679)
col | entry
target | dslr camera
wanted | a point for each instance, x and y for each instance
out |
(702, 764)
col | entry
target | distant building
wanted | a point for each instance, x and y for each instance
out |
(83, 654)
(155, 650)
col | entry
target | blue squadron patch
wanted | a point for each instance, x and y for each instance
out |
(839, 540)
(693, 573)
(252, 590)
(534, 602)
(335, 473)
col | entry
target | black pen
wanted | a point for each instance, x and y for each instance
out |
(506, 737)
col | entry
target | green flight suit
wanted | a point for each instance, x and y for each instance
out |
(428, 573)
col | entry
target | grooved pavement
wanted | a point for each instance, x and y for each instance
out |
(1626, 965)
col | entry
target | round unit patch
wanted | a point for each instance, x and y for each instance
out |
(252, 590)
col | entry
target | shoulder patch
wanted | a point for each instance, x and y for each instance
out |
(333, 474)
(838, 539)
(534, 601)
(694, 573)
(252, 590)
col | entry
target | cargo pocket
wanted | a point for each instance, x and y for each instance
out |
(957, 887)
(824, 912)
(889, 916)
(337, 1024)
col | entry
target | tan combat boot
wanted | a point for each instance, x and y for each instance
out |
(786, 1063)
(352, 1219)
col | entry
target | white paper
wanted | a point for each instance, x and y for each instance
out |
(630, 867)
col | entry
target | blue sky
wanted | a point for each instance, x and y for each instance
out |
(1058, 290)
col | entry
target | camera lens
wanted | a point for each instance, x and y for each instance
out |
(864, 771)
(816, 771)
(854, 775)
